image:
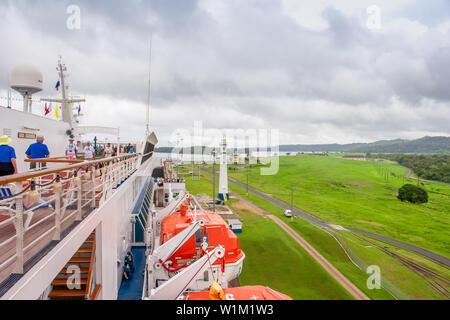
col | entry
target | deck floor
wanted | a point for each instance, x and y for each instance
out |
(37, 249)
(132, 289)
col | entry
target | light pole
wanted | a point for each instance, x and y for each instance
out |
(247, 182)
(292, 199)
(214, 180)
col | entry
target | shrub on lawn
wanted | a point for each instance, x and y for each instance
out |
(412, 194)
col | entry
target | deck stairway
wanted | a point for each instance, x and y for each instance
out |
(83, 260)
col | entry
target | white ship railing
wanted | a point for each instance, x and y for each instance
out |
(66, 195)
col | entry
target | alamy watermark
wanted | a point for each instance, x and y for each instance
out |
(373, 17)
(73, 22)
(252, 146)
(74, 280)
(374, 281)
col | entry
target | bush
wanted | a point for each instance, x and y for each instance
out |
(412, 194)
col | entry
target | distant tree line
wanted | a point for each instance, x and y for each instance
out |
(423, 145)
(429, 166)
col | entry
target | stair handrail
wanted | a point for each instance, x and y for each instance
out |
(91, 270)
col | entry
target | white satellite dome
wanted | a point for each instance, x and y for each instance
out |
(26, 79)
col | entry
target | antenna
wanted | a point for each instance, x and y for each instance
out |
(66, 102)
(147, 126)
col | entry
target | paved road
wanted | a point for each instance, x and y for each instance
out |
(315, 219)
(410, 172)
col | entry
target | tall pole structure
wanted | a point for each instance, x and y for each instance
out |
(247, 182)
(182, 153)
(9, 98)
(223, 180)
(292, 198)
(66, 101)
(8, 103)
(147, 121)
(214, 180)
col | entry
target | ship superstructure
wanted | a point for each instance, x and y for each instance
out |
(122, 227)
(66, 230)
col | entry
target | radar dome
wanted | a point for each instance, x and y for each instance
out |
(26, 79)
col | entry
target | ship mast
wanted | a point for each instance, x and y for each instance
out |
(66, 102)
(147, 123)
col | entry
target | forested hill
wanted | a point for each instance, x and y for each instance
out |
(422, 145)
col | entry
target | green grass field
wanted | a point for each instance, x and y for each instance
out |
(359, 194)
(409, 283)
(274, 259)
(324, 243)
(398, 279)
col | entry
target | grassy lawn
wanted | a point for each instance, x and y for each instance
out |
(401, 281)
(274, 259)
(404, 279)
(358, 194)
(324, 243)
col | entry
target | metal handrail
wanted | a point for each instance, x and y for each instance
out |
(91, 269)
(98, 187)
(31, 175)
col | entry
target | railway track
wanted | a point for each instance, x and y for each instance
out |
(435, 280)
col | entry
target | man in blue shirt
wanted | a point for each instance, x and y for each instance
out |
(38, 150)
(8, 163)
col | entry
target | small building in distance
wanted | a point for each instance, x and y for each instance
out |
(321, 154)
(235, 225)
(354, 156)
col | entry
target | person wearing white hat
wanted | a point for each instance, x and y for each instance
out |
(72, 149)
(8, 164)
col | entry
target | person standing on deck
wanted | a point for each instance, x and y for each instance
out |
(108, 151)
(72, 150)
(38, 150)
(8, 164)
(89, 152)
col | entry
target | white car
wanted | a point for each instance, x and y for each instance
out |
(288, 213)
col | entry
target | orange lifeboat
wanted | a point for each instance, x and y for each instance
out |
(215, 232)
(255, 293)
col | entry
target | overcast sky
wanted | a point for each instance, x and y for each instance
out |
(318, 71)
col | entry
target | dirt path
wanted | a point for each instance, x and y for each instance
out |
(338, 276)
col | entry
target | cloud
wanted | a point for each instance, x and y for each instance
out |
(314, 71)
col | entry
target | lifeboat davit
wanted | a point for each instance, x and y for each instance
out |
(255, 293)
(215, 232)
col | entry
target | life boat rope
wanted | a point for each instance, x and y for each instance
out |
(169, 269)
(184, 289)
(222, 265)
